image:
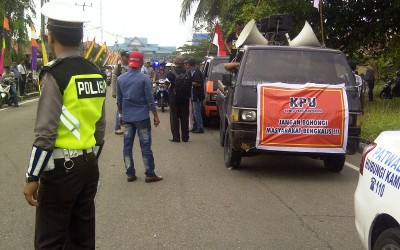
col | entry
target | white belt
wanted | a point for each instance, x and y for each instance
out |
(60, 153)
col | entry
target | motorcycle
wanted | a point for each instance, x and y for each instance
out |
(5, 95)
(161, 94)
(386, 92)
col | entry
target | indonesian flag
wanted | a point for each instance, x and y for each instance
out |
(219, 41)
(316, 4)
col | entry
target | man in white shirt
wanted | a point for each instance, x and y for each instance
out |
(22, 77)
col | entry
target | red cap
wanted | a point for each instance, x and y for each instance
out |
(135, 59)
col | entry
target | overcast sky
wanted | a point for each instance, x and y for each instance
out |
(158, 20)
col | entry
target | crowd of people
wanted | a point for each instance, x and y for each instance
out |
(132, 86)
(20, 79)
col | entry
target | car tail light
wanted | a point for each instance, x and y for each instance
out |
(367, 149)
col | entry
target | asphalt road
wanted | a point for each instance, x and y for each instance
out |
(271, 202)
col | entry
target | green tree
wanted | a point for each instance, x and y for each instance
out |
(19, 14)
(198, 51)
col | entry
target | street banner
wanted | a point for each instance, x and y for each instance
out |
(302, 118)
(2, 56)
(44, 52)
(6, 24)
(90, 48)
(99, 52)
(35, 46)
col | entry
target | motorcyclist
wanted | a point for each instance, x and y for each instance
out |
(161, 74)
(8, 79)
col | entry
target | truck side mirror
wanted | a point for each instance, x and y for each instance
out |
(227, 79)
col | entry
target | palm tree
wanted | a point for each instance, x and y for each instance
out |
(207, 10)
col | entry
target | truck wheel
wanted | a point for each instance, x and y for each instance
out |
(221, 133)
(334, 163)
(232, 157)
(389, 239)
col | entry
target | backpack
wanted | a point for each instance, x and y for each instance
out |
(183, 86)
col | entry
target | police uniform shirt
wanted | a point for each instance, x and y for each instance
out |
(49, 111)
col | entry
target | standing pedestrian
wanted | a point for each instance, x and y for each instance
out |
(198, 95)
(14, 69)
(69, 132)
(370, 81)
(230, 42)
(148, 70)
(179, 97)
(135, 100)
(22, 79)
(119, 69)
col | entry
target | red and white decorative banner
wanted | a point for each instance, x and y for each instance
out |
(302, 118)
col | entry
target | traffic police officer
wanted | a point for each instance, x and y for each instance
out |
(69, 132)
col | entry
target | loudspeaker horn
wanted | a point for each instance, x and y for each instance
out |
(306, 37)
(251, 35)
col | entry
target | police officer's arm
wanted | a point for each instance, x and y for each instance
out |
(150, 100)
(114, 81)
(47, 119)
(100, 131)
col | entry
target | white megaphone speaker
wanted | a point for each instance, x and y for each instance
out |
(251, 35)
(306, 37)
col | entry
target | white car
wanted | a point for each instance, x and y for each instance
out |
(377, 198)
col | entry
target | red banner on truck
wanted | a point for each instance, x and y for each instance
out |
(302, 118)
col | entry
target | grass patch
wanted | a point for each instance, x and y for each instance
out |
(380, 115)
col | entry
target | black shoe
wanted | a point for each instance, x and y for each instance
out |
(200, 131)
(131, 178)
(173, 140)
(193, 129)
(185, 140)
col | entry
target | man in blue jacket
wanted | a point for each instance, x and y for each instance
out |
(134, 99)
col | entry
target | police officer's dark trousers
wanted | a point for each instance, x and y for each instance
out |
(179, 114)
(65, 218)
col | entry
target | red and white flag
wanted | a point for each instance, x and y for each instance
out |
(219, 41)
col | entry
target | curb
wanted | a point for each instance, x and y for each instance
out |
(28, 96)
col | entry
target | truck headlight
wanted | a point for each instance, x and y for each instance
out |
(248, 115)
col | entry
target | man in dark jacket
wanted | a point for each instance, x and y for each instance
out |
(179, 109)
(198, 95)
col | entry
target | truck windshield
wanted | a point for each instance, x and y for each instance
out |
(296, 67)
(218, 69)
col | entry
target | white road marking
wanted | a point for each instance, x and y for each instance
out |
(352, 166)
(20, 103)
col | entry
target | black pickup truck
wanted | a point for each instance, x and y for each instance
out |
(237, 97)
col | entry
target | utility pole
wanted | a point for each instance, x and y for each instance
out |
(101, 22)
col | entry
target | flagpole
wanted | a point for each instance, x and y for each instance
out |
(211, 42)
(322, 23)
